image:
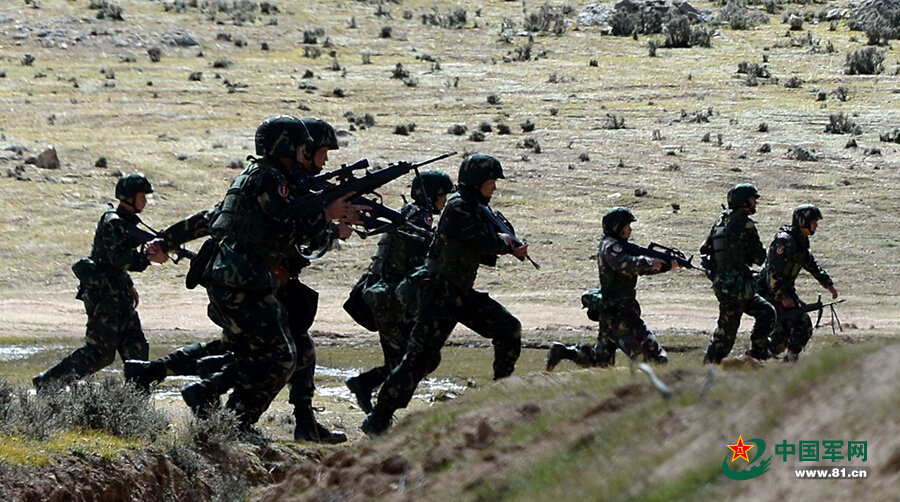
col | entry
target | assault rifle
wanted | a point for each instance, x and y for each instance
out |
(380, 219)
(503, 226)
(799, 310)
(325, 191)
(144, 237)
(660, 252)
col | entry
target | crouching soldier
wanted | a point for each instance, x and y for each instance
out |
(619, 312)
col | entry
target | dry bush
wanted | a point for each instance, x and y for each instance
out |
(865, 61)
(455, 19)
(736, 15)
(547, 19)
(838, 123)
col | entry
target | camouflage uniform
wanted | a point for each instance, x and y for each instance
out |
(113, 324)
(788, 254)
(464, 240)
(257, 228)
(733, 245)
(397, 255)
(619, 312)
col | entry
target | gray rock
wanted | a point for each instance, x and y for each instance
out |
(48, 159)
(179, 39)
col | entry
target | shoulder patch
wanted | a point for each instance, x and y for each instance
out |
(779, 249)
(617, 248)
(283, 190)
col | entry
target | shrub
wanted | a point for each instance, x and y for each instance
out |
(838, 123)
(678, 33)
(865, 61)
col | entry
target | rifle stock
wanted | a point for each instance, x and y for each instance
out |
(499, 222)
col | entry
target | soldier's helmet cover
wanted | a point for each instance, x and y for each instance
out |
(615, 220)
(132, 184)
(478, 168)
(321, 134)
(430, 184)
(804, 215)
(739, 194)
(280, 136)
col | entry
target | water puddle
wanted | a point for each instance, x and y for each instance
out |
(14, 353)
(428, 389)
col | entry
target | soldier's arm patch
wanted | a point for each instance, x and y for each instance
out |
(617, 248)
(283, 190)
(779, 249)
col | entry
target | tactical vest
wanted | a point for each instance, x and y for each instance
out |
(397, 254)
(240, 222)
(100, 255)
(455, 260)
(726, 246)
(614, 285)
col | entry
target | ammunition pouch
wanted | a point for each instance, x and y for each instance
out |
(199, 263)
(356, 306)
(592, 300)
(416, 290)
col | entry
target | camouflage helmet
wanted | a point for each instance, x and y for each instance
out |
(615, 220)
(132, 184)
(280, 136)
(739, 194)
(478, 168)
(804, 215)
(431, 184)
(321, 134)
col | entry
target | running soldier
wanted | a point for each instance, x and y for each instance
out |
(107, 290)
(399, 252)
(444, 293)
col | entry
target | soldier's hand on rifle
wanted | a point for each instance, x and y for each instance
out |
(659, 264)
(674, 265)
(787, 302)
(344, 231)
(833, 291)
(518, 252)
(154, 251)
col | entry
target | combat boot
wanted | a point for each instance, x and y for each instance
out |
(203, 396)
(557, 353)
(143, 373)
(308, 429)
(662, 357)
(208, 365)
(759, 353)
(378, 422)
(362, 392)
(791, 356)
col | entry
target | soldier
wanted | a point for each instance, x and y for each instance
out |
(257, 227)
(620, 313)
(298, 300)
(788, 254)
(397, 255)
(463, 240)
(731, 247)
(107, 289)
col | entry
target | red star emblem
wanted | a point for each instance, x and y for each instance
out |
(740, 450)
